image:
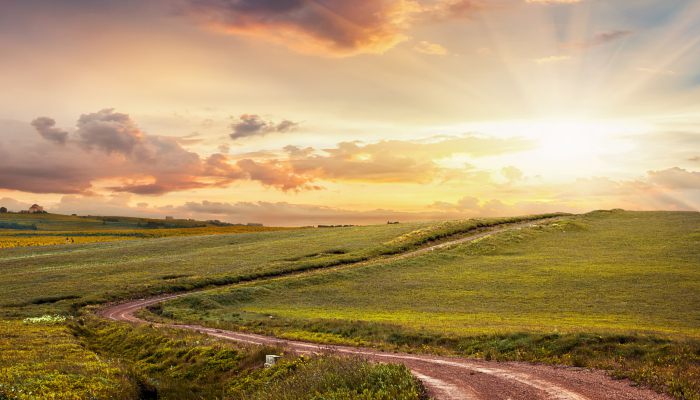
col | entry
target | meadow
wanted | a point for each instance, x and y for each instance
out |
(580, 291)
(23, 230)
(610, 289)
(52, 279)
(87, 358)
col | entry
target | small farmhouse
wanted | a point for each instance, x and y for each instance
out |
(36, 209)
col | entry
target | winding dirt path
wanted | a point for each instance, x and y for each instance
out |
(444, 377)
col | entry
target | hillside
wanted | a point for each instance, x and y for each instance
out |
(612, 290)
(605, 271)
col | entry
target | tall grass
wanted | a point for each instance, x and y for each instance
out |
(172, 364)
(330, 378)
(40, 359)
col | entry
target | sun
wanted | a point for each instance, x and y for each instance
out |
(563, 147)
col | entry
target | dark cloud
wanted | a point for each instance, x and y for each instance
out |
(600, 39)
(332, 27)
(109, 146)
(47, 129)
(253, 125)
(108, 131)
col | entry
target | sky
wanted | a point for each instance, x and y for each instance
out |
(304, 112)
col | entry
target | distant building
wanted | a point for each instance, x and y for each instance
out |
(36, 209)
(169, 217)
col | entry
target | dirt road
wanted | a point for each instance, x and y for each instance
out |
(444, 377)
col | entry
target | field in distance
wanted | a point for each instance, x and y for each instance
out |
(43, 229)
(52, 279)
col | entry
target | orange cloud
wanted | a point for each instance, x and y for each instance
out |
(108, 146)
(395, 160)
(332, 27)
(430, 48)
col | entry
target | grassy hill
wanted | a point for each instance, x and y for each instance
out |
(615, 290)
(610, 289)
(50, 279)
(606, 272)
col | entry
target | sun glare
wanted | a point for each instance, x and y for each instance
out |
(560, 147)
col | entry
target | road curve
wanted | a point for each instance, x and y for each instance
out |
(444, 377)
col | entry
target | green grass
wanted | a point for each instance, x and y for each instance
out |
(25, 230)
(89, 358)
(613, 290)
(609, 275)
(607, 272)
(45, 361)
(174, 364)
(53, 278)
(40, 280)
(59, 222)
(330, 378)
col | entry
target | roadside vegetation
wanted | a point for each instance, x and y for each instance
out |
(87, 358)
(41, 359)
(613, 290)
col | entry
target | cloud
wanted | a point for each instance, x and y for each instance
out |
(277, 174)
(676, 178)
(395, 161)
(430, 48)
(512, 173)
(47, 129)
(331, 27)
(108, 131)
(550, 2)
(109, 146)
(657, 71)
(600, 39)
(283, 213)
(108, 151)
(552, 59)
(249, 125)
(13, 205)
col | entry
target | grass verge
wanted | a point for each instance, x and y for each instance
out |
(172, 364)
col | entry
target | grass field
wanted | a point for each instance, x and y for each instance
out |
(614, 290)
(52, 279)
(23, 230)
(603, 272)
(107, 360)
(581, 291)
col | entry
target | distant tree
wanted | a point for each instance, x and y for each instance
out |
(3, 210)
